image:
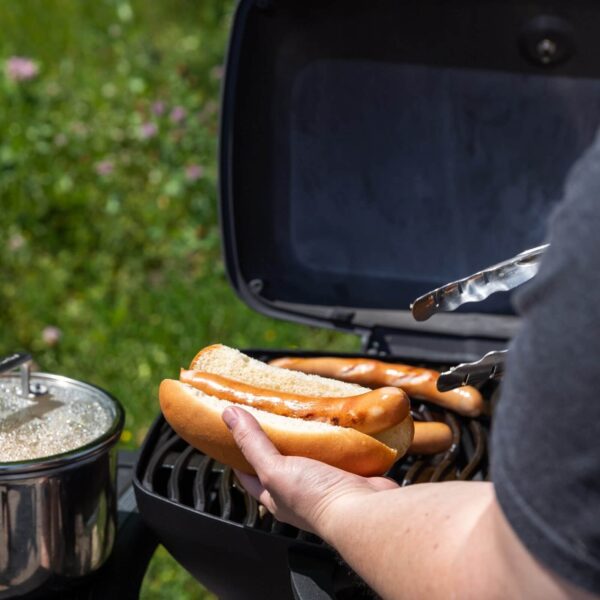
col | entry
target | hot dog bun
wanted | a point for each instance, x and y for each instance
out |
(196, 417)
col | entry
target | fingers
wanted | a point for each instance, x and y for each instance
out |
(251, 439)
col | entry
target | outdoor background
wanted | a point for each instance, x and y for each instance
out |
(110, 264)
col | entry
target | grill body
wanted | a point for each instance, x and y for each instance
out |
(235, 548)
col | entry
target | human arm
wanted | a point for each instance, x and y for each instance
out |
(429, 540)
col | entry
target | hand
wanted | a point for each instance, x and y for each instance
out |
(299, 491)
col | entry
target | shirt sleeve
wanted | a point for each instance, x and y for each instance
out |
(546, 429)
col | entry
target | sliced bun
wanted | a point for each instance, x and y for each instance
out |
(232, 363)
(196, 417)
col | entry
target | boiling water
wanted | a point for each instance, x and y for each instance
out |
(66, 419)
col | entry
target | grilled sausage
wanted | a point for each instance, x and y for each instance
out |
(368, 413)
(431, 437)
(417, 382)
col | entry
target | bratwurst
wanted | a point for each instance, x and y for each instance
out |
(369, 413)
(417, 382)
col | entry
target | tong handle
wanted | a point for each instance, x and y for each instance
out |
(490, 366)
(501, 277)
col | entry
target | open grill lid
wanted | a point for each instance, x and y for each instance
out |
(372, 152)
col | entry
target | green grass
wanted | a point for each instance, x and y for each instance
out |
(108, 230)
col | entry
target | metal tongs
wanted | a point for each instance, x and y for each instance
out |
(501, 277)
(490, 366)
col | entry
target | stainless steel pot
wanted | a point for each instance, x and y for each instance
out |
(58, 511)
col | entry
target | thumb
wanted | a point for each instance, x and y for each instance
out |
(256, 447)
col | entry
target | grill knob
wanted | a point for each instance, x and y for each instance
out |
(547, 40)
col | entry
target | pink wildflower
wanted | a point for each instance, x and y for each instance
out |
(105, 167)
(148, 130)
(16, 242)
(51, 335)
(193, 172)
(158, 108)
(18, 68)
(178, 114)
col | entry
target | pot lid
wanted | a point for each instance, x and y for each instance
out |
(45, 418)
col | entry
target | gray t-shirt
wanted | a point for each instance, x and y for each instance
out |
(546, 431)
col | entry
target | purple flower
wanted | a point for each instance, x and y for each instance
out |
(51, 335)
(18, 68)
(148, 130)
(178, 114)
(158, 108)
(105, 167)
(193, 172)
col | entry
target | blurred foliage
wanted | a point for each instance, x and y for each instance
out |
(110, 264)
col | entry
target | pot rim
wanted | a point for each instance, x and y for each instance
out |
(63, 459)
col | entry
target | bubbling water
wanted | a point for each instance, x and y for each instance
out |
(68, 418)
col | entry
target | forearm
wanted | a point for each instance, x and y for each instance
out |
(436, 541)
(404, 542)
(433, 541)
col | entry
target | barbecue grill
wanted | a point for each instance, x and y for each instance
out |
(369, 153)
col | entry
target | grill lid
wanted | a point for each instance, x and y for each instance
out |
(371, 154)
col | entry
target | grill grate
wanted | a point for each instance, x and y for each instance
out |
(183, 475)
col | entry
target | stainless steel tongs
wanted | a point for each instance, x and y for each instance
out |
(501, 277)
(490, 366)
(477, 287)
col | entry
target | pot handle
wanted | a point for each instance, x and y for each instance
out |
(22, 360)
(14, 360)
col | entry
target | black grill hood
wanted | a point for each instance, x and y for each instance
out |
(372, 151)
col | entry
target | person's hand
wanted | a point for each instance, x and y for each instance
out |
(299, 491)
